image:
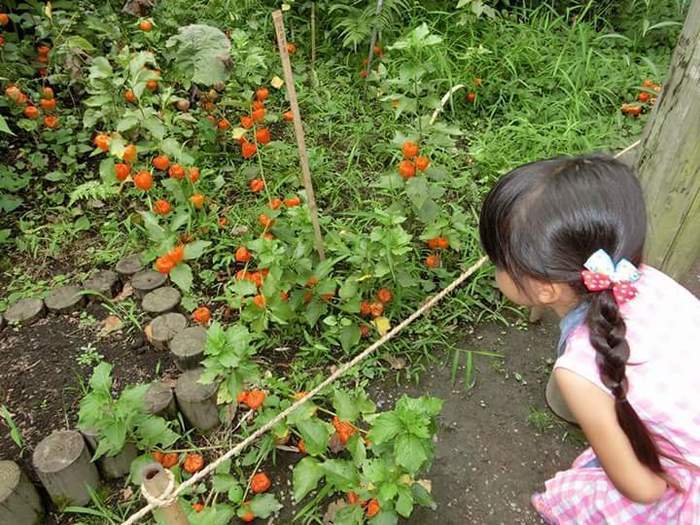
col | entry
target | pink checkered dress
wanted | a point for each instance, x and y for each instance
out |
(663, 331)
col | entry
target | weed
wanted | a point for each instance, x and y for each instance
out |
(89, 356)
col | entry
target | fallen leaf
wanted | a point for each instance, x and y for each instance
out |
(426, 484)
(335, 444)
(276, 82)
(126, 494)
(397, 363)
(382, 324)
(126, 292)
(332, 510)
(237, 133)
(110, 324)
(148, 332)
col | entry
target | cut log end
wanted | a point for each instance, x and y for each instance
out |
(161, 300)
(105, 283)
(20, 503)
(188, 346)
(163, 328)
(25, 311)
(160, 401)
(146, 281)
(130, 265)
(65, 299)
(62, 463)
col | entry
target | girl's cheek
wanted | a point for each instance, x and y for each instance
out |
(508, 288)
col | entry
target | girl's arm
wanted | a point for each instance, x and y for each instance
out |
(595, 412)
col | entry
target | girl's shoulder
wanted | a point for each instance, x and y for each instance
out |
(662, 322)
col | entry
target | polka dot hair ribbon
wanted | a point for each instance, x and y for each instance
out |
(602, 273)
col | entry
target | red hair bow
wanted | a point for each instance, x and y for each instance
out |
(602, 274)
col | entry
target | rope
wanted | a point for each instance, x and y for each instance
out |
(153, 503)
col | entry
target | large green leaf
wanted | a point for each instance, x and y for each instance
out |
(202, 53)
(315, 434)
(409, 452)
(4, 127)
(384, 428)
(181, 275)
(307, 474)
(265, 505)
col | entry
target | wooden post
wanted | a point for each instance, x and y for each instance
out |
(373, 40)
(196, 401)
(298, 130)
(159, 485)
(313, 39)
(669, 163)
(20, 503)
(62, 462)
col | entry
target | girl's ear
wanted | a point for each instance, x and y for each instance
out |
(558, 296)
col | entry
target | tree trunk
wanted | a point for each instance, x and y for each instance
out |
(669, 164)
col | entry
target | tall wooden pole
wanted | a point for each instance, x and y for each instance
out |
(669, 163)
(298, 131)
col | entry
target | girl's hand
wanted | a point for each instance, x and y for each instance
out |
(594, 410)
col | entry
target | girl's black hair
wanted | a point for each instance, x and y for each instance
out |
(543, 220)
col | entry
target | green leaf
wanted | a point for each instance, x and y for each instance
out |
(100, 68)
(349, 515)
(155, 231)
(356, 447)
(349, 336)
(4, 127)
(348, 289)
(409, 452)
(137, 466)
(223, 482)
(404, 503)
(153, 431)
(101, 379)
(107, 173)
(264, 505)
(422, 496)
(385, 427)
(342, 475)
(195, 249)
(315, 434)
(387, 492)
(181, 275)
(202, 53)
(307, 474)
(385, 517)
(344, 405)
(76, 41)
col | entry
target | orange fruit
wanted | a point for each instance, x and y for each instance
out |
(223, 124)
(288, 116)
(291, 48)
(49, 104)
(432, 261)
(129, 96)
(256, 185)
(258, 115)
(161, 207)
(152, 85)
(122, 171)
(143, 180)
(197, 200)
(193, 174)
(422, 163)
(176, 172)
(248, 149)
(407, 169)
(31, 112)
(384, 295)
(51, 122)
(261, 94)
(471, 97)
(410, 149)
(275, 203)
(129, 154)
(161, 162)
(102, 141)
(145, 25)
(246, 122)
(260, 483)
(201, 315)
(262, 136)
(243, 255)
(46, 92)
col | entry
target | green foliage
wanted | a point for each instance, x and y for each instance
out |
(228, 360)
(121, 419)
(201, 54)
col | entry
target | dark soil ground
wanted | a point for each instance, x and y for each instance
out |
(497, 442)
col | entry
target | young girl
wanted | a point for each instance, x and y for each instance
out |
(568, 233)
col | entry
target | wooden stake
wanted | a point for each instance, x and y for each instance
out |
(156, 482)
(373, 40)
(313, 38)
(298, 130)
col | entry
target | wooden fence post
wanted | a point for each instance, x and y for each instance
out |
(159, 484)
(669, 163)
(298, 130)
